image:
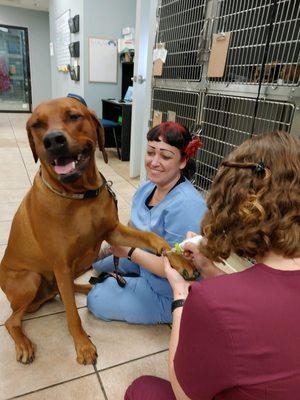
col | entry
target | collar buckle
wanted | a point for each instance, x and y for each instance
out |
(91, 193)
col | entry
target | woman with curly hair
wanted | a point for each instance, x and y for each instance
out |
(237, 336)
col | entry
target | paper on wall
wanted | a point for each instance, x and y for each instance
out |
(129, 36)
(51, 49)
(172, 116)
(127, 30)
(157, 117)
(160, 54)
(218, 55)
(158, 67)
(125, 45)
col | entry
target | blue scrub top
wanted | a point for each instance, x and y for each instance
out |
(180, 211)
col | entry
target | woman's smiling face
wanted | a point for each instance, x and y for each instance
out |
(163, 162)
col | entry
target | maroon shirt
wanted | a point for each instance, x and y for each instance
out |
(240, 337)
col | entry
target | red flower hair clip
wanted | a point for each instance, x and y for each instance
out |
(192, 147)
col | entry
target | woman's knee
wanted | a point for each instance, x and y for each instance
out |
(136, 390)
(96, 299)
(149, 388)
(109, 301)
(104, 265)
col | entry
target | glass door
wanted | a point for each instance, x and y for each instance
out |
(15, 87)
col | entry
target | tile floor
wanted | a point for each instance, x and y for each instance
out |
(125, 351)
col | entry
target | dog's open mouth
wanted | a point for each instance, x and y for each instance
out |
(66, 165)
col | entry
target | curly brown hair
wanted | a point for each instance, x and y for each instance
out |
(254, 202)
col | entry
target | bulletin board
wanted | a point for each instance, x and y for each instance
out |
(103, 60)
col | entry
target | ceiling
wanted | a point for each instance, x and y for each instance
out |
(38, 5)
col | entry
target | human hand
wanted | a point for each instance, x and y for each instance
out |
(120, 251)
(191, 234)
(179, 285)
(186, 252)
(206, 267)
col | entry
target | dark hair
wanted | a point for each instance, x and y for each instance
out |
(254, 202)
(176, 135)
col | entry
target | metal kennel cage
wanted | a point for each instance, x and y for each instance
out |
(264, 33)
(180, 28)
(259, 90)
(184, 105)
(227, 122)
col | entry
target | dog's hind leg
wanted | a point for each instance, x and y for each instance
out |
(47, 291)
(20, 288)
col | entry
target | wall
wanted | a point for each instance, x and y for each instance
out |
(105, 19)
(99, 18)
(37, 23)
(61, 82)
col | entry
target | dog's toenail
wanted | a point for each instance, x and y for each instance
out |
(196, 274)
(185, 274)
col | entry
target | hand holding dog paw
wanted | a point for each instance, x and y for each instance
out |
(179, 285)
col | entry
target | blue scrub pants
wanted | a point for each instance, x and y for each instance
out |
(146, 298)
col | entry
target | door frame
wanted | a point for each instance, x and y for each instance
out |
(27, 60)
(143, 67)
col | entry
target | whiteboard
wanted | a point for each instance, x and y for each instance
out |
(62, 39)
(103, 58)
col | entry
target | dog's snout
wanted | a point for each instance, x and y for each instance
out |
(54, 140)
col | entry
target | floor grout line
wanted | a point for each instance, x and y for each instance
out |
(46, 315)
(133, 360)
(50, 386)
(118, 365)
(100, 382)
(97, 373)
(27, 173)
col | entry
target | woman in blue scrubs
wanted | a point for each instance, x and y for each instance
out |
(167, 204)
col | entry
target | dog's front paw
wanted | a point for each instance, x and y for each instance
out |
(183, 266)
(25, 351)
(86, 352)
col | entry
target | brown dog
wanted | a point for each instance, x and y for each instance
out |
(59, 226)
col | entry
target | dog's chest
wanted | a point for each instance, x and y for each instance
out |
(87, 223)
(63, 228)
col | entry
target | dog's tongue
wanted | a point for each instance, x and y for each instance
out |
(64, 169)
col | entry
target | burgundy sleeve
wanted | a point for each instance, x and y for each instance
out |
(204, 363)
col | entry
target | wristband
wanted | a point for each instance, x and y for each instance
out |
(177, 303)
(130, 253)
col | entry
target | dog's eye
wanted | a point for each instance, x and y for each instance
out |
(74, 117)
(37, 124)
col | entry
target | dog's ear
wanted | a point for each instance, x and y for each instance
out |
(31, 142)
(100, 135)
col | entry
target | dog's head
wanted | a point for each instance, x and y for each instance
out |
(63, 134)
